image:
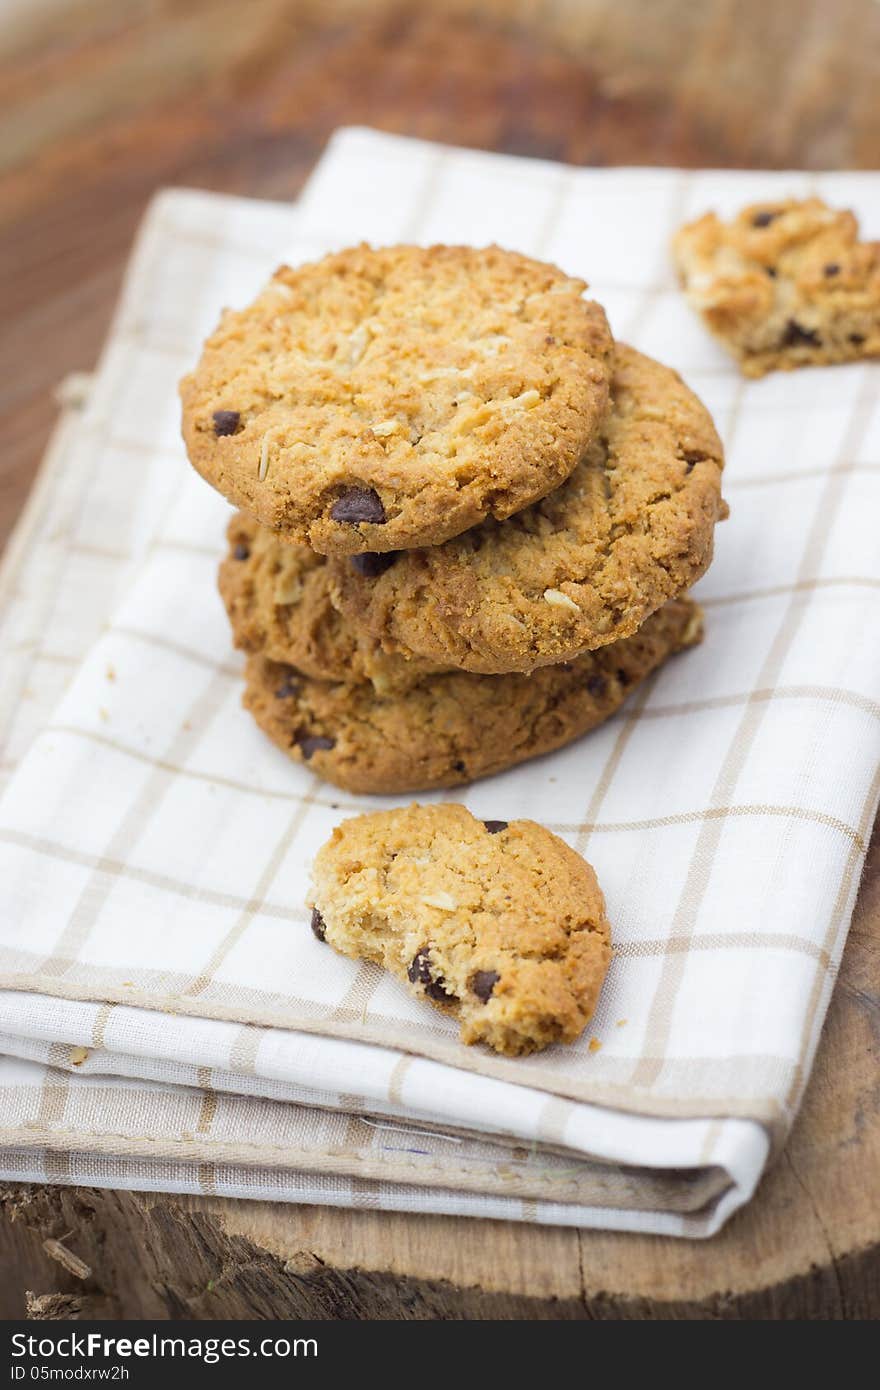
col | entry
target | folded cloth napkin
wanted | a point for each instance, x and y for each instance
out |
(168, 1020)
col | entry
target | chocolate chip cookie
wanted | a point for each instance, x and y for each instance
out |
(784, 284)
(631, 528)
(499, 924)
(277, 596)
(383, 399)
(452, 728)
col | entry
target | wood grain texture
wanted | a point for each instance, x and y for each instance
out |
(101, 104)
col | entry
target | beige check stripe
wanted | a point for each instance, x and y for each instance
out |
(166, 1018)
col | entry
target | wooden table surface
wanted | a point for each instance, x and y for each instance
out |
(101, 104)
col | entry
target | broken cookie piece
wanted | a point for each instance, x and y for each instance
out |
(784, 284)
(499, 924)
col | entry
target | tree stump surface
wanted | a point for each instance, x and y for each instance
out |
(100, 105)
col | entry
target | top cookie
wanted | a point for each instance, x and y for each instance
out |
(498, 923)
(383, 399)
(784, 284)
(631, 528)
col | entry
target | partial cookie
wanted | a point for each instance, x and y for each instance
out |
(453, 728)
(277, 596)
(631, 528)
(784, 284)
(499, 924)
(384, 399)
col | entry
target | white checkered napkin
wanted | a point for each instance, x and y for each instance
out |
(155, 847)
(114, 463)
(66, 1123)
(64, 579)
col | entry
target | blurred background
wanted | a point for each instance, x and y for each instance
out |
(104, 101)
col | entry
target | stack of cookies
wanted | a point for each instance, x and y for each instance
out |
(468, 519)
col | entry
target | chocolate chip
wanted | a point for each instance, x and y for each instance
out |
(857, 339)
(419, 973)
(241, 551)
(371, 565)
(763, 219)
(495, 826)
(319, 926)
(482, 983)
(795, 334)
(359, 504)
(692, 457)
(832, 268)
(769, 270)
(314, 743)
(597, 685)
(287, 689)
(226, 421)
(458, 767)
